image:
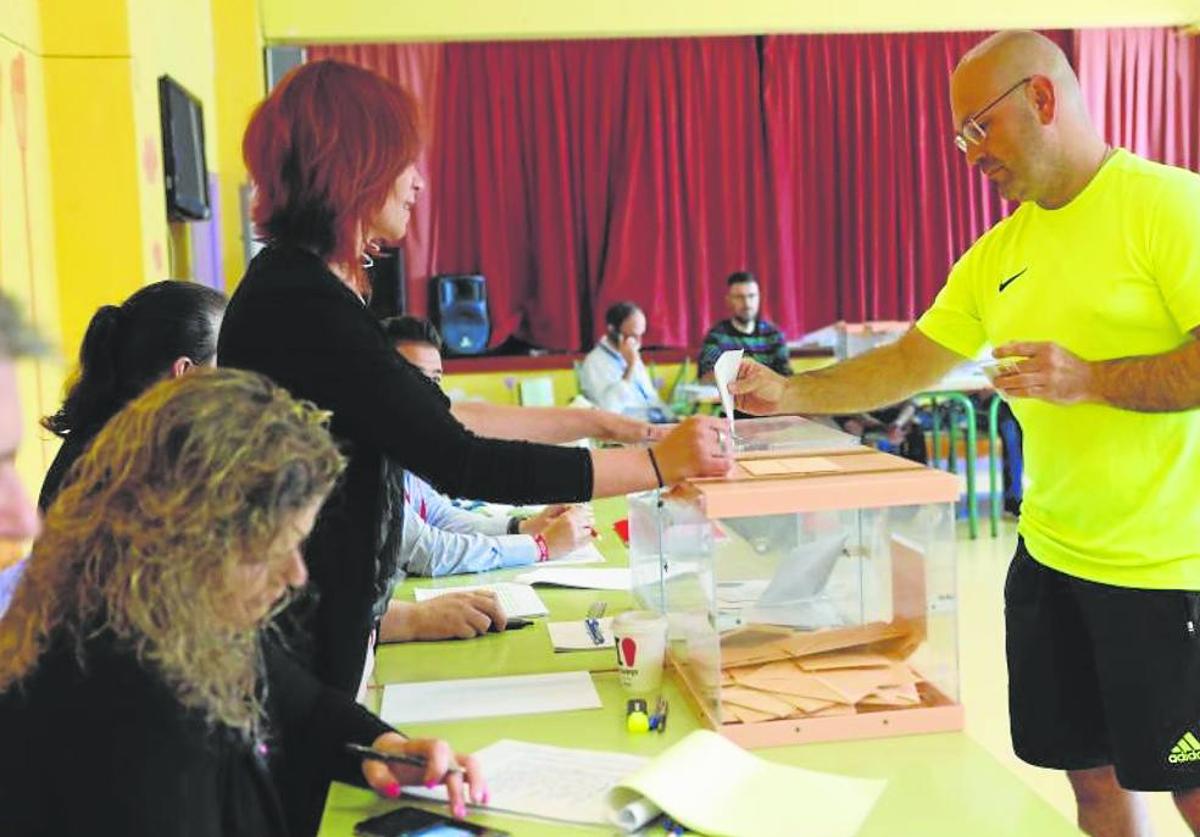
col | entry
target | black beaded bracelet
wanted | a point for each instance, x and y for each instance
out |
(654, 462)
(514, 524)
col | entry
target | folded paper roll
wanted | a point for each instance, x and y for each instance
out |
(711, 786)
(636, 814)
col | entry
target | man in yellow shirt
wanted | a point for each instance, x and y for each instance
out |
(1093, 286)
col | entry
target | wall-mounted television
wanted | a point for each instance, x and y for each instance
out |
(184, 168)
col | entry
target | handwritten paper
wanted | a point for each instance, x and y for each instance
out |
(555, 783)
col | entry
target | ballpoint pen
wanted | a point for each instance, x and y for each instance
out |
(592, 622)
(394, 758)
(593, 629)
(658, 721)
(515, 623)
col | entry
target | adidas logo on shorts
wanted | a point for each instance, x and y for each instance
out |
(1187, 749)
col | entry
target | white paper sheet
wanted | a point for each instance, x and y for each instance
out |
(483, 697)
(805, 570)
(515, 599)
(573, 635)
(607, 578)
(555, 783)
(586, 554)
(724, 371)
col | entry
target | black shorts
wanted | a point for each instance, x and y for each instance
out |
(1101, 675)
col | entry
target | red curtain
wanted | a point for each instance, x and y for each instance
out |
(575, 174)
(685, 198)
(1142, 87)
(873, 201)
(873, 196)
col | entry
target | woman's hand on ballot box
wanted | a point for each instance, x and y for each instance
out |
(699, 446)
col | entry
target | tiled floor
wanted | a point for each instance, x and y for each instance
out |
(982, 564)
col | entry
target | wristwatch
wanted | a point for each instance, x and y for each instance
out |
(514, 524)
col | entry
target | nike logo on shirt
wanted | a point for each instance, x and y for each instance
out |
(1012, 279)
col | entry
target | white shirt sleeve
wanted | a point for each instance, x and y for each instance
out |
(429, 550)
(439, 511)
(602, 379)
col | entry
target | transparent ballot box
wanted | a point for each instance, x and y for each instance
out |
(809, 597)
(756, 437)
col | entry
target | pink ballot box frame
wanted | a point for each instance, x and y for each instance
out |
(810, 596)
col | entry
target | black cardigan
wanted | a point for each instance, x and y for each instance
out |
(106, 748)
(295, 321)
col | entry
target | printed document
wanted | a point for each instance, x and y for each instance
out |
(483, 697)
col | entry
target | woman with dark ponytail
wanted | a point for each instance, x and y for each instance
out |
(161, 331)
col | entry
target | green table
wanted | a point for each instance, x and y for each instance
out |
(943, 784)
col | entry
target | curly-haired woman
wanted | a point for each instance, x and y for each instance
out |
(138, 694)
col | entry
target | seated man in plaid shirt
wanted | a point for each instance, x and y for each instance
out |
(744, 330)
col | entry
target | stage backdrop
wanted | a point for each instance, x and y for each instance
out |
(574, 174)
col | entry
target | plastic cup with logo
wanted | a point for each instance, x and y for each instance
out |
(641, 640)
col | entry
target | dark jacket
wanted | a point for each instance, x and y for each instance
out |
(104, 747)
(296, 322)
(72, 448)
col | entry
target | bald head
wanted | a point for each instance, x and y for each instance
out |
(1018, 52)
(1005, 57)
(1029, 128)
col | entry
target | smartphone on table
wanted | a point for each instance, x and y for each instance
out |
(417, 822)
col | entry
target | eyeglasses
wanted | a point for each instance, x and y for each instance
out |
(972, 132)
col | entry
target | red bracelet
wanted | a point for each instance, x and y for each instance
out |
(543, 550)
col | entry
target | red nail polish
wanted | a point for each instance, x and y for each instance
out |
(460, 811)
(393, 790)
(487, 796)
(432, 783)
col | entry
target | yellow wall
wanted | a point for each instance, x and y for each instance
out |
(103, 59)
(27, 258)
(95, 192)
(82, 209)
(21, 26)
(239, 86)
(94, 28)
(172, 39)
(314, 21)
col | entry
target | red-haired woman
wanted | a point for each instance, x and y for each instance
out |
(332, 153)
